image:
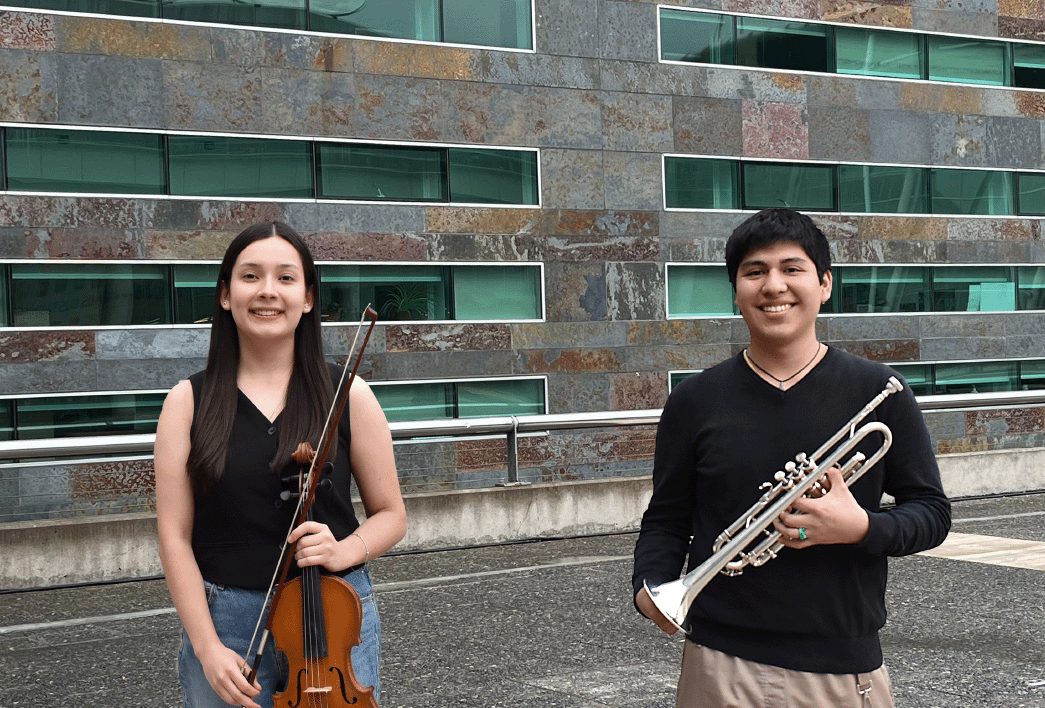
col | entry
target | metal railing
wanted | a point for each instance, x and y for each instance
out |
(89, 449)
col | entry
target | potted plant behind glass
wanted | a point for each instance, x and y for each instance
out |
(406, 302)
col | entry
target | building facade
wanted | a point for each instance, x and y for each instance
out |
(535, 195)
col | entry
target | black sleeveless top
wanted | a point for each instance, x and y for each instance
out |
(240, 522)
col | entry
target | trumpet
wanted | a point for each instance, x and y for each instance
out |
(804, 476)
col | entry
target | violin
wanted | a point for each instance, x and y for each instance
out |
(315, 619)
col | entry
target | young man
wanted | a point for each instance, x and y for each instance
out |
(801, 630)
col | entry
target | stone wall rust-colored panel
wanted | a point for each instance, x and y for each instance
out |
(871, 14)
(120, 38)
(577, 360)
(941, 98)
(221, 97)
(195, 244)
(1005, 422)
(366, 247)
(422, 61)
(778, 130)
(1022, 28)
(638, 390)
(28, 86)
(112, 481)
(476, 220)
(27, 30)
(57, 345)
(889, 351)
(450, 337)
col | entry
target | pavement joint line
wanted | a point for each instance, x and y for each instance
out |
(400, 585)
(991, 550)
(999, 517)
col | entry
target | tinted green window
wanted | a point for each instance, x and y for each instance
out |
(696, 37)
(74, 416)
(1028, 65)
(493, 176)
(382, 172)
(1032, 193)
(780, 44)
(497, 292)
(809, 187)
(239, 167)
(195, 286)
(434, 401)
(881, 289)
(974, 289)
(135, 8)
(481, 399)
(971, 192)
(4, 312)
(883, 190)
(696, 291)
(397, 19)
(1031, 293)
(976, 377)
(488, 23)
(694, 183)
(871, 52)
(288, 14)
(919, 377)
(677, 377)
(89, 295)
(971, 61)
(396, 292)
(1032, 375)
(84, 161)
(7, 430)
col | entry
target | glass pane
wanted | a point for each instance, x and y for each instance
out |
(84, 161)
(696, 37)
(780, 44)
(1028, 62)
(488, 23)
(433, 401)
(1031, 294)
(387, 173)
(974, 289)
(481, 399)
(239, 167)
(976, 377)
(883, 190)
(4, 311)
(881, 289)
(871, 52)
(195, 287)
(73, 416)
(287, 14)
(7, 431)
(698, 291)
(971, 192)
(677, 377)
(497, 292)
(397, 19)
(493, 176)
(399, 292)
(919, 377)
(134, 8)
(1032, 375)
(1032, 193)
(809, 187)
(89, 295)
(969, 61)
(692, 183)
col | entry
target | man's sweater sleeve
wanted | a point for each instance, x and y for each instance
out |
(664, 535)
(921, 518)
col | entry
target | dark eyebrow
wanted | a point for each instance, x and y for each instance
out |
(252, 264)
(756, 262)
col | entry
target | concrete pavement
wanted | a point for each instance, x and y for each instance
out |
(550, 624)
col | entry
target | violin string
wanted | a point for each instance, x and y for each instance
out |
(297, 511)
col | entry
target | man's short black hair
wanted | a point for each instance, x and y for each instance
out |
(771, 226)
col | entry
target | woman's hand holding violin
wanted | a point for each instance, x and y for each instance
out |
(316, 545)
(224, 671)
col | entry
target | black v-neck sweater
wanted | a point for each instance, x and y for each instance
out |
(723, 433)
(240, 523)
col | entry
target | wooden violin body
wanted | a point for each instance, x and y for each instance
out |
(316, 627)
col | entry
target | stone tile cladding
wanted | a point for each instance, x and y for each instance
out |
(602, 110)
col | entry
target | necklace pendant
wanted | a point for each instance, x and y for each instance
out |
(782, 386)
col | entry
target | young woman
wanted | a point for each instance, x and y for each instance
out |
(223, 457)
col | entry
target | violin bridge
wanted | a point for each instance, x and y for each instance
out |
(319, 689)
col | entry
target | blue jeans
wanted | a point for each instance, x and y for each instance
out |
(235, 612)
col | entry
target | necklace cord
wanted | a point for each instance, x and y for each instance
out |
(781, 382)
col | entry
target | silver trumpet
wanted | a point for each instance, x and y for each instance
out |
(802, 477)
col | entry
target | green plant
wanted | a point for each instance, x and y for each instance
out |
(406, 301)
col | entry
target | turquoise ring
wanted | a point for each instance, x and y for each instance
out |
(802, 534)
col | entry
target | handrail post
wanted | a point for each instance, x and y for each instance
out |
(512, 443)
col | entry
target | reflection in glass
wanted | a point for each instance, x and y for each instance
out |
(396, 292)
(287, 14)
(497, 292)
(919, 377)
(417, 401)
(7, 429)
(883, 190)
(698, 183)
(195, 287)
(480, 176)
(696, 37)
(969, 192)
(881, 289)
(384, 173)
(970, 61)
(1028, 64)
(976, 377)
(796, 186)
(1031, 294)
(83, 161)
(479, 399)
(1032, 193)
(131, 8)
(398, 19)
(239, 167)
(488, 23)
(783, 44)
(872, 52)
(974, 289)
(75, 416)
(89, 295)
(699, 291)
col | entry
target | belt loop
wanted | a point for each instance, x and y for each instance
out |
(864, 686)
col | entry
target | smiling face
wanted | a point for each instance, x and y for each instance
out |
(267, 293)
(779, 295)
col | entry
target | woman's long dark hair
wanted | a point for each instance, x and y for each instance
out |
(309, 392)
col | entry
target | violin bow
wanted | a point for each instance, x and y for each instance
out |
(307, 495)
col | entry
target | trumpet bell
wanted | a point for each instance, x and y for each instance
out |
(670, 600)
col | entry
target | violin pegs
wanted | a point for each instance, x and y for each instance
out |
(328, 468)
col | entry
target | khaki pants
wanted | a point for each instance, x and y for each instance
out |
(711, 679)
